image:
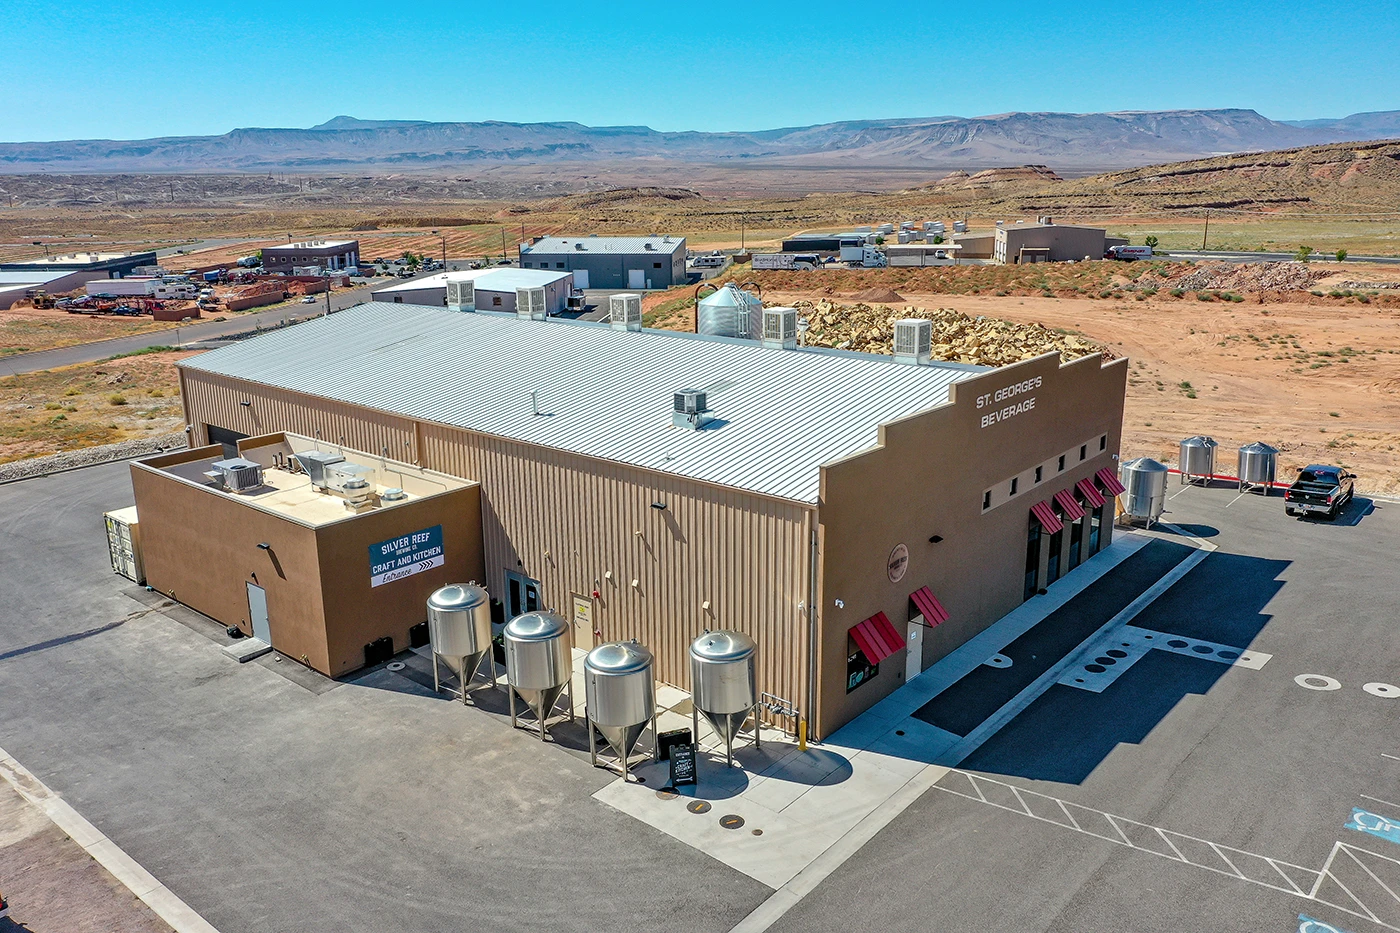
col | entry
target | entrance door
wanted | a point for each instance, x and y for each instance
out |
(914, 658)
(522, 594)
(636, 278)
(257, 613)
(580, 278)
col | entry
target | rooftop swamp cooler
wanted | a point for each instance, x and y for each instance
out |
(539, 665)
(1145, 493)
(459, 631)
(620, 698)
(723, 686)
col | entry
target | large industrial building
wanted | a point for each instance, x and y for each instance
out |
(330, 255)
(492, 289)
(58, 274)
(634, 262)
(1046, 241)
(859, 516)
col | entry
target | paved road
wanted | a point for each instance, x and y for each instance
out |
(272, 799)
(184, 334)
(1244, 256)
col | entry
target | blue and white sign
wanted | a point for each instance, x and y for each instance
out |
(404, 556)
(1367, 822)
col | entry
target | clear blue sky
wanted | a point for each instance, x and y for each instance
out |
(103, 69)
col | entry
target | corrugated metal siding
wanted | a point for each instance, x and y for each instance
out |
(212, 399)
(744, 554)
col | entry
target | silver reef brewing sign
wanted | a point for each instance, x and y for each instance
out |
(404, 556)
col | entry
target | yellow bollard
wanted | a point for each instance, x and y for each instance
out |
(802, 736)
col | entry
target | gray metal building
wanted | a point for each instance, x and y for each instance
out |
(635, 262)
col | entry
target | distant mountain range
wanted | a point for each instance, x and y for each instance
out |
(1065, 141)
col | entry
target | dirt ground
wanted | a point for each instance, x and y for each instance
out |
(1321, 382)
(26, 329)
(53, 886)
(83, 406)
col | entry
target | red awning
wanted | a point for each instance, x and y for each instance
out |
(1047, 518)
(1090, 492)
(1110, 482)
(1071, 508)
(929, 607)
(877, 639)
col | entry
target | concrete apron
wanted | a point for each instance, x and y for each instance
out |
(802, 813)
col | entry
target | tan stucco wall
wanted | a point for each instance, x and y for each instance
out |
(928, 478)
(201, 548)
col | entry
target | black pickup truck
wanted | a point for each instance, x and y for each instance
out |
(1322, 490)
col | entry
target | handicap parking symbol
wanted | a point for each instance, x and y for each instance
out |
(1307, 924)
(1367, 822)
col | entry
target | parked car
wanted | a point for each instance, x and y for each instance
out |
(308, 299)
(1324, 490)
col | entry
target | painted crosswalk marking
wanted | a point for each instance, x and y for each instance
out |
(1353, 880)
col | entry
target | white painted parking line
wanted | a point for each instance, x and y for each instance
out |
(1391, 757)
(1350, 880)
(1396, 806)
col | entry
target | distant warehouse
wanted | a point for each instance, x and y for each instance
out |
(481, 289)
(1047, 241)
(859, 516)
(331, 255)
(635, 262)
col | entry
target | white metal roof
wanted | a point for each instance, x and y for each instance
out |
(490, 280)
(604, 393)
(310, 244)
(30, 278)
(605, 244)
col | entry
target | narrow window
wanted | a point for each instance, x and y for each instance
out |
(496, 301)
(986, 500)
(656, 265)
(558, 265)
(1038, 471)
(1083, 451)
(1062, 462)
(1014, 482)
(1103, 442)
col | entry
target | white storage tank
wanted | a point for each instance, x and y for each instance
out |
(1145, 489)
(1258, 466)
(620, 697)
(539, 664)
(1197, 461)
(459, 631)
(723, 686)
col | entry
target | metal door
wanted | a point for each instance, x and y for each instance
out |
(636, 278)
(257, 613)
(522, 594)
(914, 657)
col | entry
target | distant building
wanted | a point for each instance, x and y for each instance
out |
(634, 262)
(1046, 241)
(494, 288)
(59, 274)
(330, 255)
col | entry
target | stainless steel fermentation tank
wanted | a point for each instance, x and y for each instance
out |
(620, 698)
(459, 631)
(1145, 489)
(1197, 459)
(1258, 466)
(723, 686)
(539, 664)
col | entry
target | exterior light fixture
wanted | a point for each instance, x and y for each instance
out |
(246, 404)
(840, 604)
(264, 546)
(659, 506)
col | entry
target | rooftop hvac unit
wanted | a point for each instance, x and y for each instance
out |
(648, 246)
(314, 462)
(625, 312)
(461, 296)
(238, 474)
(690, 409)
(913, 340)
(780, 328)
(530, 303)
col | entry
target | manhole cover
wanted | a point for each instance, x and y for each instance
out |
(1228, 655)
(698, 806)
(395, 666)
(666, 793)
(756, 832)
(731, 821)
(1178, 643)
(1115, 653)
(1105, 659)
(1203, 649)
(1095, 668)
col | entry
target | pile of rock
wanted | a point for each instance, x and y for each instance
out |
(1251, 276)
(957, 337)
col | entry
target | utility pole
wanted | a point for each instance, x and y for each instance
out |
(328, 296)
(741, 233)
(503, 242)
(1206, 232)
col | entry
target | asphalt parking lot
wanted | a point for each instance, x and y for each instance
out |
(1250, 776)
(274, 801)
(1188, 789)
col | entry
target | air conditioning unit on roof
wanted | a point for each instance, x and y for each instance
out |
(461, 296)
(530, 303)
(780, 328)
(913, 340)
(625, 311)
